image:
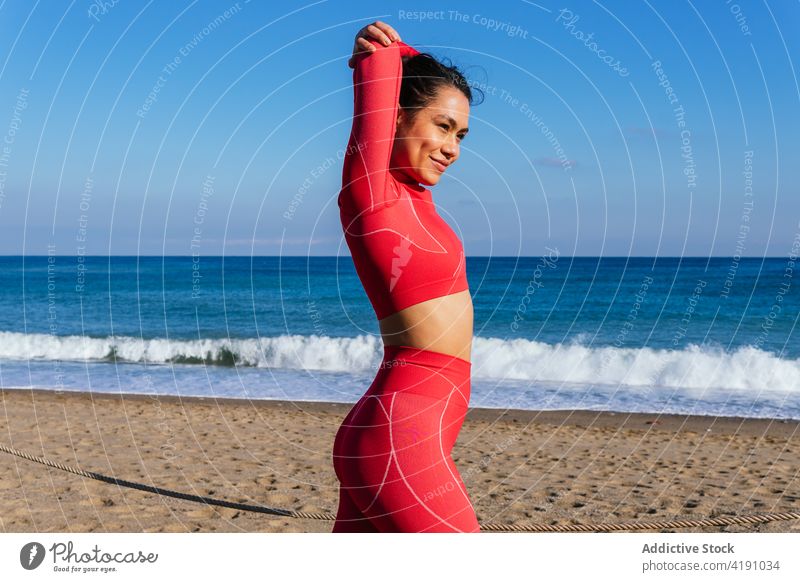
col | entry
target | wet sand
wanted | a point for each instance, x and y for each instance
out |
(527, 467)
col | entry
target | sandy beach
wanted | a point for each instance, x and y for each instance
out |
(519, 466)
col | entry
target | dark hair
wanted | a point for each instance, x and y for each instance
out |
(424, 76)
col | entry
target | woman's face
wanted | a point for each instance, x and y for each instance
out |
(428, 142)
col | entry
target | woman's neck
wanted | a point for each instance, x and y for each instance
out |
(409, 181)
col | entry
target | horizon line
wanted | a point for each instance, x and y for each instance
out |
(467, 256)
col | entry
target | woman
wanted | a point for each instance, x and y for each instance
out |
(392, 452)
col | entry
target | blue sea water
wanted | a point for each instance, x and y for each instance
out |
(712, 336)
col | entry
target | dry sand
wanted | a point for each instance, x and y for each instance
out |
(518, 466)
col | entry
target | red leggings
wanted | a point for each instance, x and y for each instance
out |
(392, 452)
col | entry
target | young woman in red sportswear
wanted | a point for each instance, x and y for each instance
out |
(392, 452)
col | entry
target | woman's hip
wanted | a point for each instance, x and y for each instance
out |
(418, 400)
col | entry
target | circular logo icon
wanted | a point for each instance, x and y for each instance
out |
(31, 555)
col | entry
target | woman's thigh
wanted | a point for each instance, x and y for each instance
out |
(393, 460)
(349, 518)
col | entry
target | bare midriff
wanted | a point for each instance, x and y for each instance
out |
(443, 324)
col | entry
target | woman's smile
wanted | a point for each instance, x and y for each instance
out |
(439, 166)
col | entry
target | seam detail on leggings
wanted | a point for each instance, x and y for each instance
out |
(403, 477)
(388, 463)
(441, 448)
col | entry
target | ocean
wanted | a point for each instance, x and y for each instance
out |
(710, 336)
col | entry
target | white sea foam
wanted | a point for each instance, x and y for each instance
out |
(694, 368)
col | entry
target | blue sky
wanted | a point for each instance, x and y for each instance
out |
(216, 127)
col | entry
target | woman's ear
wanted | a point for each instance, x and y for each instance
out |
(401, 117)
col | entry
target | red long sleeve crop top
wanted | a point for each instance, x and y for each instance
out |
(403, 251)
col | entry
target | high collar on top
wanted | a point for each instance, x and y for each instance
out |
(414, 189)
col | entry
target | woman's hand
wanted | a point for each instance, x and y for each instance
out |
(379, 31)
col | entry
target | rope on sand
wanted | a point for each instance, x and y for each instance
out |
(629, 526)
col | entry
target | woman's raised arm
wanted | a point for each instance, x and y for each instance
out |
(377, 75)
